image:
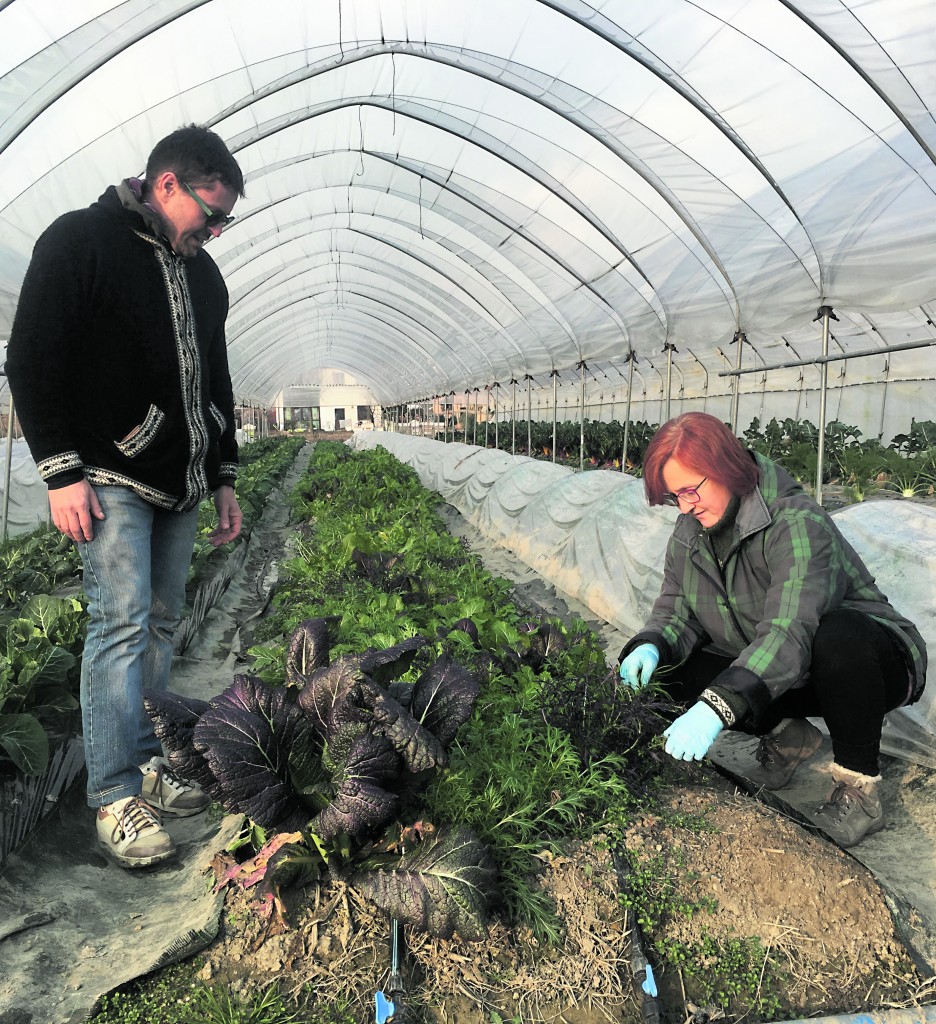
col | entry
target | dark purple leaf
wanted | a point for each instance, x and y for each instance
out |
(390, 663)
(308, 650)
(174, 718)
(358, 807)
(443, 698)
(443, 885)
(415, 744)
(246, 736)
(329, 697)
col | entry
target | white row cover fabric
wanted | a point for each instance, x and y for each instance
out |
(594, 537)
(441, 195)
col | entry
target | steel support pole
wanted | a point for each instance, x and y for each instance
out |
(529, 381)
(487, 414)
(513, 416)
(824, 313)
(740, 339)
(582, 367)
(631, 359)
(494, 386)
(555, 377)
(7, 466)
(670, 349)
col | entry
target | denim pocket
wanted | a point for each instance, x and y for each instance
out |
(140, 438)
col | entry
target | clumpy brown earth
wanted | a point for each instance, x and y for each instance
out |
(828, 939)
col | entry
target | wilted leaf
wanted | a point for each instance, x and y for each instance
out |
(442, 886)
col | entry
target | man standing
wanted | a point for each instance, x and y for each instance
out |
(118, 367)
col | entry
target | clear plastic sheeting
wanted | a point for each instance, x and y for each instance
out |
(595, 538)
(444, 195)
(27, 505)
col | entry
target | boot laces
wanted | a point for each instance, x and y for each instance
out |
(767, 751)
(134, 818)
(165, 776)
(840, 799)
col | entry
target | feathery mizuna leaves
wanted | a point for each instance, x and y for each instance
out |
(442, 886)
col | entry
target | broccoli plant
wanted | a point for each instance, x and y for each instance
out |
(330, 759)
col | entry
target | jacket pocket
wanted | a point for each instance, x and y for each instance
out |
(141, 436)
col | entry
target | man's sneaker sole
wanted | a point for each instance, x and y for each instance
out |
(134, 862)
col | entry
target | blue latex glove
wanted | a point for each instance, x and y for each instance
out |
(691, 735)
(638, 666)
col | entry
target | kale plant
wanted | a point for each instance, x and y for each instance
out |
(331, 759)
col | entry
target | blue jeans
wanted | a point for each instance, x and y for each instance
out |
(135, 570)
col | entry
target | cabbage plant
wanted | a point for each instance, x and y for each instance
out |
(334, 757)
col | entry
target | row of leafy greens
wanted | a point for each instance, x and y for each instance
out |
(452, 739)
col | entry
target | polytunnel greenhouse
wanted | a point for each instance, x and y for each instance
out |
(483, 253)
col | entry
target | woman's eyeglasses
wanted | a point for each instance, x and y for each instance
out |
(690, 495)
(213, 219)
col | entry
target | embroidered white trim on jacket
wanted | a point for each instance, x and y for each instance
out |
(218, 415)
(719, 705)
(228, 469)
(145, 433)
(58, 464)
(104, 477)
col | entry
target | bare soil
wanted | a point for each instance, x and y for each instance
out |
(829, 940)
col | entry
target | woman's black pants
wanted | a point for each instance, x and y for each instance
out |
(857, 674)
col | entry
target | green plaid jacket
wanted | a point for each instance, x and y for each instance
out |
(787, 567)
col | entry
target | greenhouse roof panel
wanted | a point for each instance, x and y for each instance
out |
(443, 195)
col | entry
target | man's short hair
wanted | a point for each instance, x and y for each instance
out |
(198, 156)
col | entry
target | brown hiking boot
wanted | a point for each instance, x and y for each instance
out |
(853, 808)
(130, 831)
(780, 754)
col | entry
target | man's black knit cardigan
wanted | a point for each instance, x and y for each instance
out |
(117, 359)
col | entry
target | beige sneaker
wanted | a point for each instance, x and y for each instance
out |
(130, 831)
(170, 794)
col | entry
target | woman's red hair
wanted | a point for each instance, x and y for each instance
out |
(703, 443)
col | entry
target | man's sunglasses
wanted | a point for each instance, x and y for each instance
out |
(213, 219)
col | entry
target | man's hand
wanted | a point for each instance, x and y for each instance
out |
(229, 516)
(74, 509)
